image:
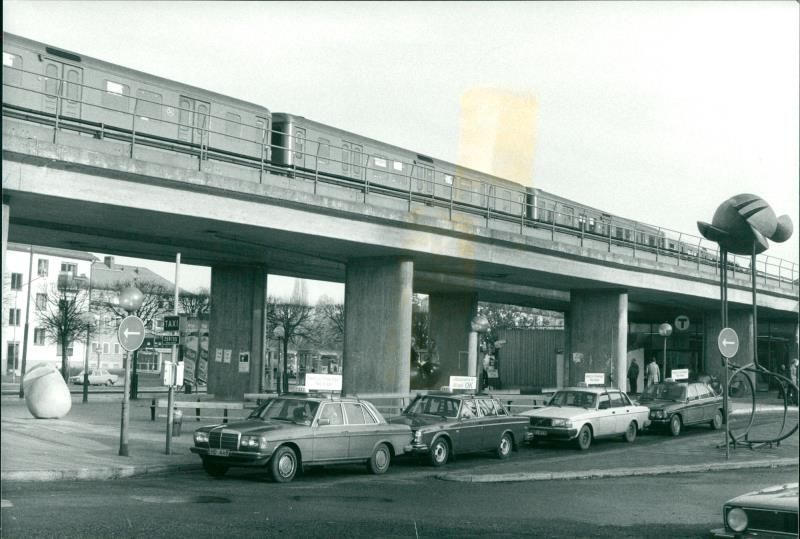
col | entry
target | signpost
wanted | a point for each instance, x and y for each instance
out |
(131, 336)
(130, 333)
(728, 342)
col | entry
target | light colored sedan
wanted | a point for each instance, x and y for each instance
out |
(97, 377)
(581, 414)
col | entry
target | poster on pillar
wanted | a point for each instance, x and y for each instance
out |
(189, 342)
(201, 374)
(244, 362)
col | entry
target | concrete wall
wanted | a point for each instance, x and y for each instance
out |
(237, 325)
(377, 335)
(450, 315)
(596, 337)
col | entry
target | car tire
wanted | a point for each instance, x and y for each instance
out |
(109, 383)
(379, 462)
(213, 469)
(675, 425)
(283, 464)
(716, 423)
(584, 439)
(631, 432)
(505, 446)
(440, 452)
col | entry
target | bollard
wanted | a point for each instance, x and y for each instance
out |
(153, 410)
(177, 421)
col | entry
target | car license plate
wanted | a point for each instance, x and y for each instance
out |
(538, 432)
(219, 452)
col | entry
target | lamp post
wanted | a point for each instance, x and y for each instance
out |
(478, 324)
(90, 319)
(665, 330)
(130, 299)
(280, 333)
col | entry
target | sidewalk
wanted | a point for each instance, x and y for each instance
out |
(85, 445)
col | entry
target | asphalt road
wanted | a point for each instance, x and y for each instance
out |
(348, 502)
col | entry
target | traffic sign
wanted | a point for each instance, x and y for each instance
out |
(168, 340)
(728, 342)
(131, 333)
(171, 323)
(682, 323)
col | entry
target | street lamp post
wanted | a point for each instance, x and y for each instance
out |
(280, 333)
(665, 330)
(130, 299)
(478, 324)
(25, 332)
(90, 319)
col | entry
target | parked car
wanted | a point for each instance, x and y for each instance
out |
(296, 430)
(97, 377)
(770, 512)
(582, 414)
(674, 405)
(445, 424)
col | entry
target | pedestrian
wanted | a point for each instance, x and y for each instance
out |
(652, 373)
(793, 378)
(633, 376)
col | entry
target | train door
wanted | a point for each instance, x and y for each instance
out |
(424, 176)
(66, 81)
(193, 120)
(299, 146)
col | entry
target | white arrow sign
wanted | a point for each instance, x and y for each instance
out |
(129, 332)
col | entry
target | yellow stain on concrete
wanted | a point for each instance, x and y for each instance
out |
(498, 133)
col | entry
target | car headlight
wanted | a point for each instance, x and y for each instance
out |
(737, 519)
(561, 423)
(657, 414)
(417, 436)
(200, 437)
(249, 442)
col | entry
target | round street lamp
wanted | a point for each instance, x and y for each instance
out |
(280, 333)
(665, 330)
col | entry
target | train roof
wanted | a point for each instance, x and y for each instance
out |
(78, 58)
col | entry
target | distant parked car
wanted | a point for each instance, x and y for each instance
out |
(582, 414)
(295, 430)
(97, 377)
(444, 424)
(770, 512)
(674, 405)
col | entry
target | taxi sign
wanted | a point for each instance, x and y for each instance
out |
(680, 374)
(323, 382)
(728, 342)
(463, 382)
(594, 378)
(131, 333)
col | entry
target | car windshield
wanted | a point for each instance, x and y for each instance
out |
(439, 406)
(582, 399)
(665, 392)
(295, 410)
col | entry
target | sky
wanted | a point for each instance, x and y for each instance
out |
(654, 111)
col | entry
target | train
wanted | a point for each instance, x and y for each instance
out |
(49, 85)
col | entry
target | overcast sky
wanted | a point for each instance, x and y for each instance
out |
(656, 111)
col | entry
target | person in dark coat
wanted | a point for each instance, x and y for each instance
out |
(633, 376)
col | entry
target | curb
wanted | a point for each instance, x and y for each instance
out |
(95, 474)
(618, 472)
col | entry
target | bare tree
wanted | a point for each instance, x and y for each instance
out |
(295, 319)
(195, 303)
(330, 320)
(62, 316)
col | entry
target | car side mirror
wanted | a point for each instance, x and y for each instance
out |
(323, 422)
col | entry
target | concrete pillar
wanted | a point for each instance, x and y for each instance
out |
(237, 326)
(739, 320)
(596, 337)
(377, 327)
(6, 213)
(450, 315)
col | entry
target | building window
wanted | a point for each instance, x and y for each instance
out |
(69, 268)
(16, 281)
(41, 301)
(13, 317)
(116, 348)
(233, 124)
(148, 104)
(117, 96)
(42, 266)
(59, 348)
(38, 336)
(12, 351)
(105, 348)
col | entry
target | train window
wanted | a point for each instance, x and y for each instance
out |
(356, 158)
(116, 96)
(324, 150)
(619, 233)
(148, 104)
(51, 79)
(398, 166)
(233, 124)
(12, 68)
(345, 157)
(380, 162)
(448, 179)
(299, 143)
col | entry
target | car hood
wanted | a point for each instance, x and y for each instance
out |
(417, 421)
(257, 426)
(660, 404)
(563, 412)
(774, 497)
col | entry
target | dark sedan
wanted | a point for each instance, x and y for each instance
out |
(445, 424)
(674, 405)
(293, 431)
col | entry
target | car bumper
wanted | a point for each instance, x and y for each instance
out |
(417, 449)
(722, 533)
(550, 433)
(233, 458)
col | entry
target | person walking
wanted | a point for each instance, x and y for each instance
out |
(793, 378)
(633, 376)
(652, 374)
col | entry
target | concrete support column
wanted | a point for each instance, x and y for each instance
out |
(6, 213)
(739, 320)
(377, 327)
(596, 337)
(450, 316)
(237, 326)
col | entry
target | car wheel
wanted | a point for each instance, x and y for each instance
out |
(283, 465)
(440, 452)
(378, 463)
(213, 469)
(630, 433)
(716, 423)
(675, 425)
(505, 446)
(584, 438)
(109, 383)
